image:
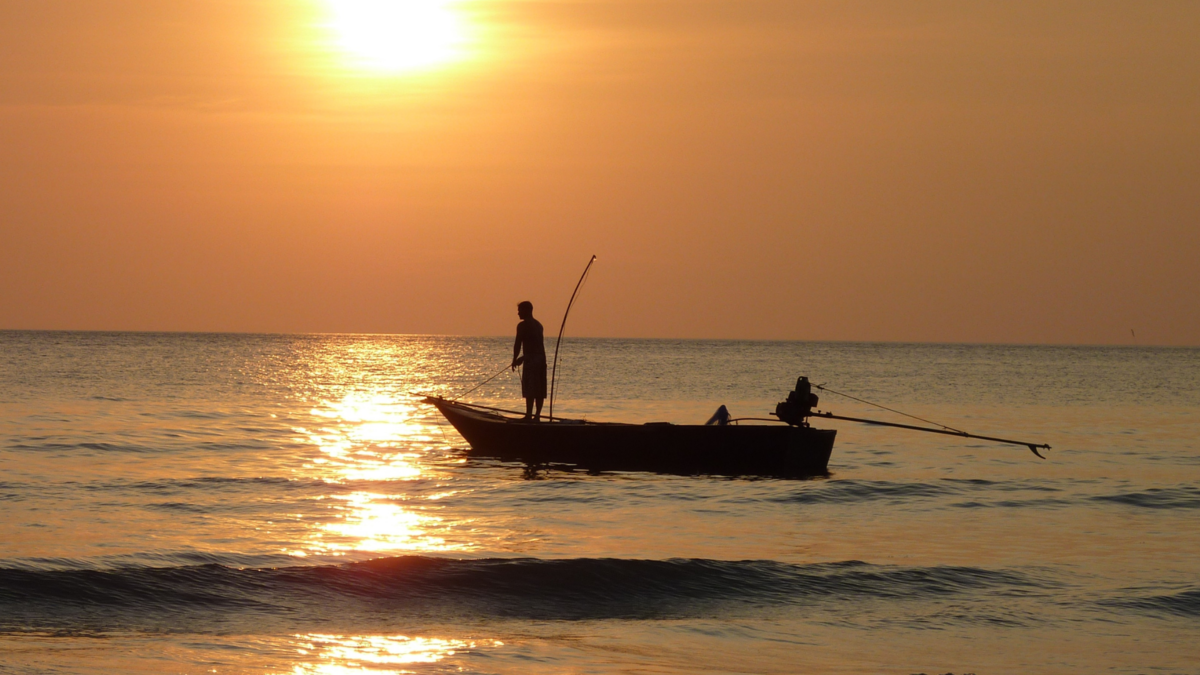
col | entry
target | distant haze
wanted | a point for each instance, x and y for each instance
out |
(910, 171)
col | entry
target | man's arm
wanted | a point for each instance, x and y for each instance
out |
(517, 348)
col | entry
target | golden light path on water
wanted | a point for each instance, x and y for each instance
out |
(339, 654)
(369, 438)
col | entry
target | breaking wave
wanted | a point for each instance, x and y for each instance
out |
(535, 589)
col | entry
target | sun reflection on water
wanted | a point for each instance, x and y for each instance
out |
(364, 430)
(369, 437)
(376, 438)
(378, 523)
(338, 654)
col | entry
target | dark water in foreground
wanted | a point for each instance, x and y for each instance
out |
(283, 504)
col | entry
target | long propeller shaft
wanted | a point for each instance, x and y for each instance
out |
(1033, 447)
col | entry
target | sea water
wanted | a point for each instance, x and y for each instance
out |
(200, 503)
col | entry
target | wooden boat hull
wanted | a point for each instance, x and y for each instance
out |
(745, 449)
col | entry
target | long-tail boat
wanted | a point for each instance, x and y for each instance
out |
(724, 446)
(789, 447)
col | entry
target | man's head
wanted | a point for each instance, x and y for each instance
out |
(525, 310)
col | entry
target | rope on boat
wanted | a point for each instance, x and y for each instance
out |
(853, 398)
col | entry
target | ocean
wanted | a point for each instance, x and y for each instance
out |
(222, 503)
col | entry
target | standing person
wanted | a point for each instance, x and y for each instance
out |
(533, 379)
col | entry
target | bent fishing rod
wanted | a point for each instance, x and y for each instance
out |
(561, 328)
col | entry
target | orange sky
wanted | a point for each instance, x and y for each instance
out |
(929, 171)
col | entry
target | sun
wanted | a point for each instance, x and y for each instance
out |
(397, 35)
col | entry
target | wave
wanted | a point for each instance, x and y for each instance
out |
(1184, 497)
(843, 491)
(8, 491)
(979, 493)
(523, 588)
(1184, 604)
(1043, 503)
(204, 483)
(157, 559)
(164, 447)
(54, 446)
(251, 485)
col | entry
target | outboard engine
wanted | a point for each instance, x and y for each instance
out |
(799, 404)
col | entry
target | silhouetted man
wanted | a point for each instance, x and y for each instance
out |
(529, 341)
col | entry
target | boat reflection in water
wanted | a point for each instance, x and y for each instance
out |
(378, 654)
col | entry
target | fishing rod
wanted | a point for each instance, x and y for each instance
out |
(1033, 447)
(481, 383)
(561, 328)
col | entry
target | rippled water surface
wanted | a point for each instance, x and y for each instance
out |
(284, 504)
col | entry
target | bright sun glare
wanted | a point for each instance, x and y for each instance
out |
(397, 35)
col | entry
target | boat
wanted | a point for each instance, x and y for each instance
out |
(787, 446)
(722, 447)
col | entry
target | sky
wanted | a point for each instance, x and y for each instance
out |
(959, 171)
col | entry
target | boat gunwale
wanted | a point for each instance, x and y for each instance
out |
(492, 414)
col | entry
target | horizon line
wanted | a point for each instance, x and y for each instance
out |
(597, 337)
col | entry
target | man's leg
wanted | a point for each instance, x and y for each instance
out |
(539, 408)
(529, 408)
